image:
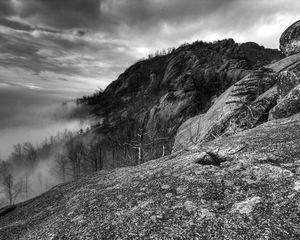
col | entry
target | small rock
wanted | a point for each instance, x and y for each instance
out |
(153, 218)
(247, 206)
(169, 195)
(190, 206)
(139, 194)
(297, 186)
(165, 187)
(180, 190)
(205, 213)
(119, 197)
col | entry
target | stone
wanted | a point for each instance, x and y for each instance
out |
(290, 39)
(288, 106)
(181, 190)
(165, 187)
(190, 206)
(297, 186)
(286, 81)
(169, 195)
(247, 206)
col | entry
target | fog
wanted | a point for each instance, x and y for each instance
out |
(30, 115)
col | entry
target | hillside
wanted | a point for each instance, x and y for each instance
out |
(234, 170)
(250, 189)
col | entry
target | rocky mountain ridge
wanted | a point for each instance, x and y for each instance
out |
(155, 96)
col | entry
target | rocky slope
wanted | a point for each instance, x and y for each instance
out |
(245, 186)
(155, 96)
(237, 177)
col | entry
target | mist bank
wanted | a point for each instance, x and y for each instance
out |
(33, 114)
(32, 125)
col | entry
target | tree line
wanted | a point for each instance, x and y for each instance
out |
(31, 170)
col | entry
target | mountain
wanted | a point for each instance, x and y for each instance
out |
(234, 169)
(151, 99)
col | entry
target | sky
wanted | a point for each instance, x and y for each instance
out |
(55, 50)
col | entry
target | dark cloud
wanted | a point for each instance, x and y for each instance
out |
(135, 12)
(15, 25)
(98, 39)
(25, 27)
(62, 14)
(6, 8)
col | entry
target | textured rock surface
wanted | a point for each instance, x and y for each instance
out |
(286, 81)
(290, 39)
(244, 105)
(239, 103)
(288, 106)
(245, 186)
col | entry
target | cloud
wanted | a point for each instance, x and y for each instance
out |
(6, 8)
(94, 39)
(61, 14)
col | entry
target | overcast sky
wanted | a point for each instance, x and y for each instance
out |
(79, 45)
(51, 50)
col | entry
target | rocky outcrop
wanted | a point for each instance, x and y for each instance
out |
(290, 39)
(246, 186)
(247, 104)
(288, 106)
(239, 108)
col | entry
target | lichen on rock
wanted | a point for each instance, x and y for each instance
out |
(290, 39)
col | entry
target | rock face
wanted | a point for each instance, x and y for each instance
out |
(244, 105)
(290, 40)
(265, 94)
(288, 106)
(286, 81)
(246, 186)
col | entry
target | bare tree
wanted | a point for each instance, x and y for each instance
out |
(95, 155)
(61, 168)
(11, 189)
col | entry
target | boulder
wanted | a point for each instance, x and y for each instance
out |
(290, 39)
(246, 186)
(288, 106)
(286, 81)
